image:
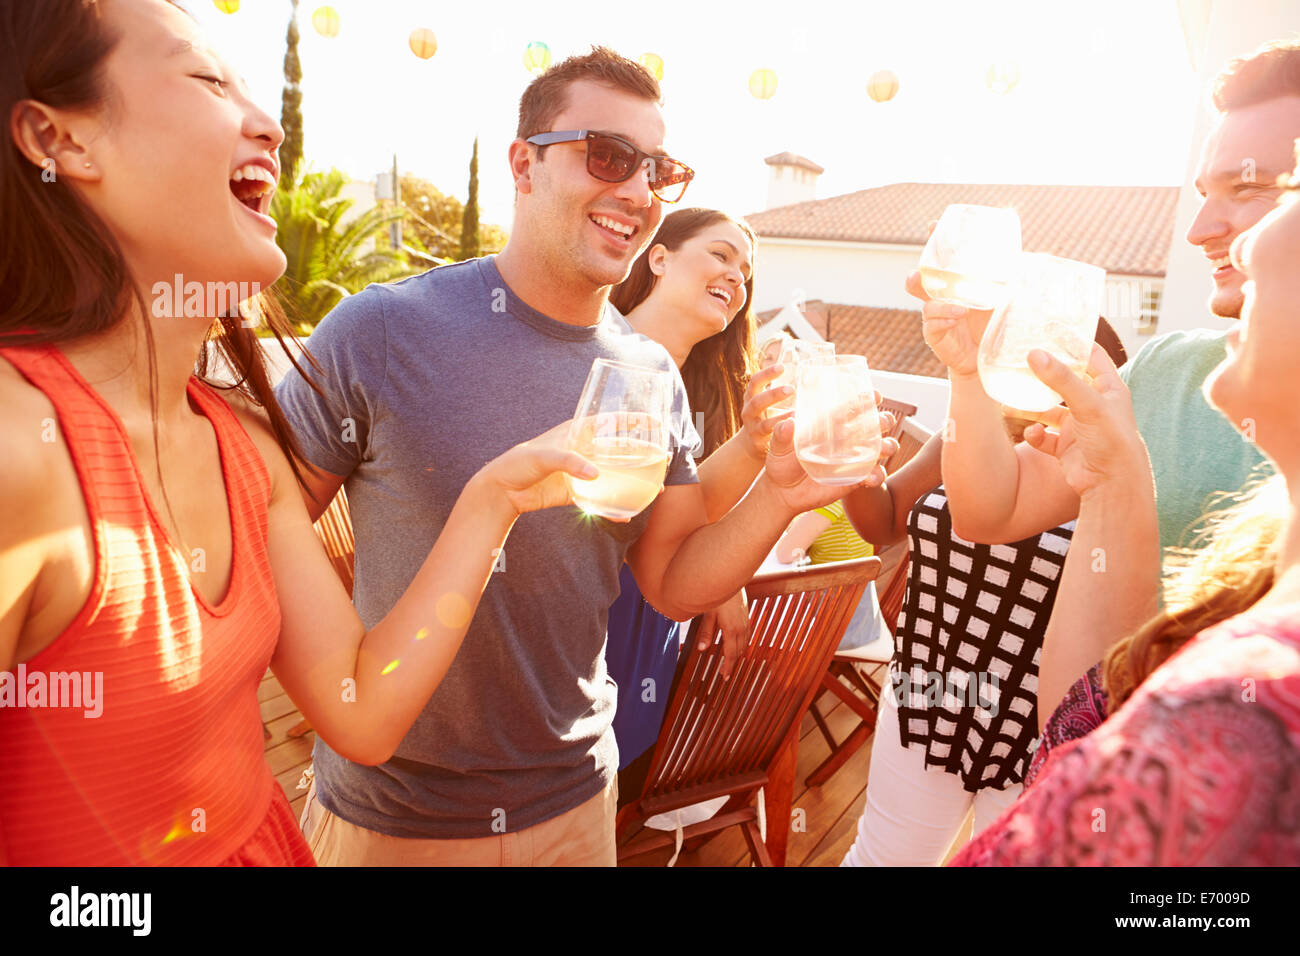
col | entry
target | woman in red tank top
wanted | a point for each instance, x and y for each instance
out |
(156, 554)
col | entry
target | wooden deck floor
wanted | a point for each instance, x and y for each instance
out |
(820, 836)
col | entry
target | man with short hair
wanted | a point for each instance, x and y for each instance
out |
(998, 494)
(513, 761)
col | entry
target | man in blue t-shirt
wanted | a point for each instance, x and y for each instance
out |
(513, 760)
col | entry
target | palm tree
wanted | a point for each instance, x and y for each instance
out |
(329, 259)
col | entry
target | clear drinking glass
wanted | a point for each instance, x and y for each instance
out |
(1053, 305)
(794, 354)
(621, 427)
(836, 424)
(971, 256)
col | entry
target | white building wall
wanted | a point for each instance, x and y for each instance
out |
(1234, 28)
(846, 273)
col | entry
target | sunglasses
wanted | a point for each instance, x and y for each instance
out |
(612, 159)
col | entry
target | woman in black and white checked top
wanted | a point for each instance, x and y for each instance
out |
(965, 669)
(958, 716)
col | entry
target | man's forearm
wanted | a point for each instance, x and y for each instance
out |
(718, 559)
(980, 468)
(1109, 588)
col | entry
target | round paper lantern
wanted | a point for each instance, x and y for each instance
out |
(1002, 77)
(423, 43)
(326, 21)
(883, 86)
(537, 58)
(226, 6)
(654, 64)
(762, 84)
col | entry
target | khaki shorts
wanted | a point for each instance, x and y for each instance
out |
(583, 836)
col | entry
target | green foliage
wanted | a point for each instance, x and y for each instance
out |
(435, 222)
(291, 106)
(328, 258)
(469, 237)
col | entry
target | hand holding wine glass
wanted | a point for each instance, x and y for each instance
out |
(621, 427)
(533, 475)
(1096, 438)
(1054, 305)
(837, 425)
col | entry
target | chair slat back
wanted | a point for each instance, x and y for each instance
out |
(717, 729)
(334, 529)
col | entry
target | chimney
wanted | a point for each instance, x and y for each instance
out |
(792, 179)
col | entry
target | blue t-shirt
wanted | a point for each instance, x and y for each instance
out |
(425, 381)
(1196, 453)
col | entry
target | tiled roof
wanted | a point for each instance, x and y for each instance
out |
(889, 338)
(793, 159)
(1123, 229)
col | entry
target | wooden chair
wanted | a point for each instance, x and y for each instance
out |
(334, 528)
(857, 686)
(736, 737)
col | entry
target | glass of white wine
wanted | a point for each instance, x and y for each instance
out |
(971, 256)
(1053, 305)
(794, 354)
(621, 427)
(836, 423)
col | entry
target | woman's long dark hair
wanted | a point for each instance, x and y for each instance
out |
(717, 370)
(62, 274)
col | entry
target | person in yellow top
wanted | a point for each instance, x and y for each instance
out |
(824, 535)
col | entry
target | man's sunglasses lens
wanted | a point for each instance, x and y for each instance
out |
(613, 161)
(610, 160)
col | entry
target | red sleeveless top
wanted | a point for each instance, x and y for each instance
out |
(171, 771)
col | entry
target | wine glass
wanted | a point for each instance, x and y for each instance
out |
(1053, 305)
(836, 423)
(794, 353)
(621, 427)
(971, 256)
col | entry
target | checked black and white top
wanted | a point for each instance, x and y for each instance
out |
(972, 611)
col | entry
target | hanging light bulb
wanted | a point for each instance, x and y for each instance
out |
(423, 43)
(326, 21)
(226, 6)
(537, 58)
(883, 86)
(762, 84)
(654, 65)
(1002, 77)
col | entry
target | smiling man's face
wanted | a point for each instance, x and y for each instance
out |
(1245, 154)
(594, 228)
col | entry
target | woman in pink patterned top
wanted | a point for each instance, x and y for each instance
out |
(1201, 765)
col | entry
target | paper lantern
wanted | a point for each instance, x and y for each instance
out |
(537, 58)
(1002, 77)
(762, 84)
(423, 43)
(326, 21)
(226, 6)
(883, 86)
(654, 64)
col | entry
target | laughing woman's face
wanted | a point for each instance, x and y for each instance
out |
(184, 162)
(1256, 385)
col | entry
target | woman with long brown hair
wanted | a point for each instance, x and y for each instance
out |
(692, 292)
(155, 550)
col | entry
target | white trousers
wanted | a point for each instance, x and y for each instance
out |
(913, 813)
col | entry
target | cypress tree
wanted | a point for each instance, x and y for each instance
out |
(469, 248)
(291, 107)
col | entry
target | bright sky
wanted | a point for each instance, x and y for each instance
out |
(1107, 94)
